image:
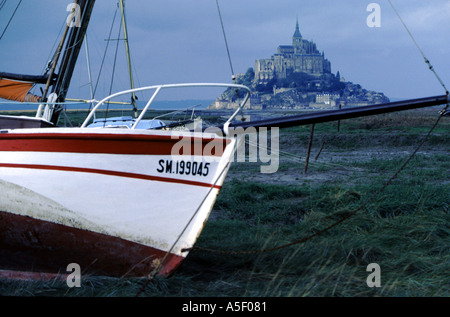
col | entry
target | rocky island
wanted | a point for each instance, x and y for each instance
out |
(298, 76)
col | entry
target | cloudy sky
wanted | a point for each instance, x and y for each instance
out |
(175, 41)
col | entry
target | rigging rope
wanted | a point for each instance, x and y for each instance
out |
(10, 19)
(106, 50)
(2, 4)
(352, 213)
(226, 43)
(158, 268)
(387, 183)
(349, 215)
(112, 75)
(298, 159)
(420, 50)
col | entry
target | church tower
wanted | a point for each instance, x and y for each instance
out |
(297, 38)
(300, 57)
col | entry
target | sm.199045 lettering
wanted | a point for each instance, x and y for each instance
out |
(183, 167)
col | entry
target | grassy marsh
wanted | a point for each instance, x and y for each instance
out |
(406, 229)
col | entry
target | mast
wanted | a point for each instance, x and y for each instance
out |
(55, 62)
(127, 48)
(49, 83)
(89, 68)
(76, 34)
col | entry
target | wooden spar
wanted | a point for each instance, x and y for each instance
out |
(39, 112)
(320, 150)
(339, 121)
(311, 136)
(127, 48)
(53, 67)
(346, 113)
(88, 63)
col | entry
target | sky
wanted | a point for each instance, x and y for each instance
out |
(179, 41)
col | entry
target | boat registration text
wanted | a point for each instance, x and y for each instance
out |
(183, 167)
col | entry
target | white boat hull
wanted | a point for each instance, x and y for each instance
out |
(114, 201)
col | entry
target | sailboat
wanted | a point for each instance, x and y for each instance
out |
(118, 200)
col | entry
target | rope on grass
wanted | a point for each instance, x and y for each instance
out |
(351, 214)
(402, 167)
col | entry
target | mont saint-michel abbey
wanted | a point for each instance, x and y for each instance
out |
(301, 56)
(298, 76)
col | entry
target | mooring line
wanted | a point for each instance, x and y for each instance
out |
(442, 113)
(226, 42)
(427, 61)
(160, 266)
(351, 214)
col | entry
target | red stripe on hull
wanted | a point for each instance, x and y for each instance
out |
(32, 245)
(111, 143)
(110, 173)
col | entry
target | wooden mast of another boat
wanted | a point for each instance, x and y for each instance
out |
(127, 48)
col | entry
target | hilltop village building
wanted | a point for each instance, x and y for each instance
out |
(301, 56)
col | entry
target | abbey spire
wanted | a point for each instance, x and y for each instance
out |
(297, 38)
(297, 33)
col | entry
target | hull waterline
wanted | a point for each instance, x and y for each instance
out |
(33, 245)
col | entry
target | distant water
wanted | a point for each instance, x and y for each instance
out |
(200, 104)
(158, 105)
